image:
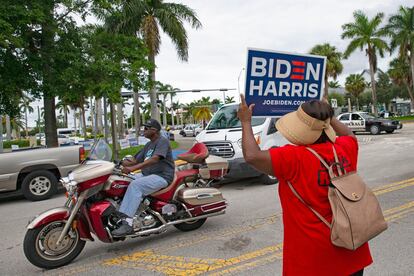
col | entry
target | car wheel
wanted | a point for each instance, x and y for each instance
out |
(389, 131)
(39, 185)
(374, 129)
(268, 179)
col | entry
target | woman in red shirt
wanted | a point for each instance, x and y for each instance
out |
(307, 248)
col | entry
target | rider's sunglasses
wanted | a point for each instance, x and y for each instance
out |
(147, 128)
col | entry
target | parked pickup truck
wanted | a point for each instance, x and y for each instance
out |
(35, 172)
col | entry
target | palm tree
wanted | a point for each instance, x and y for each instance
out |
(164, 87)
(145, 18)
(334, 84)
(188, 111)
(63, 107)
(366, 33)
(400, 28)
(400, 75)
(355, 84)
(25, 107)
(229, 100)
(202, 114)
(333, 62)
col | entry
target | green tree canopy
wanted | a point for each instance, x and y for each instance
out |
(145, 18)
(333, 62)
(355, 84)
(366, 34)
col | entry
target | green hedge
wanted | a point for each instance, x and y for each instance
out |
(403, 118)
(21, 143)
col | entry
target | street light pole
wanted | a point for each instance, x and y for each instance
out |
(238, 81)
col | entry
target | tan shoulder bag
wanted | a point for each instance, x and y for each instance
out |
(356, 213)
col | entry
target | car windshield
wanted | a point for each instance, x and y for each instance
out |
(100, 151)
(226, 117)
(366, 116)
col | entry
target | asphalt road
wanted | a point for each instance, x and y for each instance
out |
(248, 238)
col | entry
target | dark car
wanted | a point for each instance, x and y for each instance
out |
(362, 121)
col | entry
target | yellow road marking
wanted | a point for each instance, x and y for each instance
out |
(178, 265)
(394, 188)
(391, 215)
(393, 184)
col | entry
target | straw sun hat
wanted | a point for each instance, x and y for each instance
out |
(301, 129)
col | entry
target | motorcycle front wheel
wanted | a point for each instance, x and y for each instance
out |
(41, 249)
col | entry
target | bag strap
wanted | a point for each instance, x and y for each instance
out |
(338, 165)
(313, 210)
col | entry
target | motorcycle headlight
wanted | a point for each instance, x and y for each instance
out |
(256, 138)
(70, 185)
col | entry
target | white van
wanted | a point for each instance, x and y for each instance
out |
(223, 135)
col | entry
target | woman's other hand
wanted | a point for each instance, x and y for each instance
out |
(245, 112)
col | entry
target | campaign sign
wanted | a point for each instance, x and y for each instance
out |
(124, 143)
(278, 83)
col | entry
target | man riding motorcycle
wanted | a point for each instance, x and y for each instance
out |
(157, 171)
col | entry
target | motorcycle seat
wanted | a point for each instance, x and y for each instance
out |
(197, 154)
(166, 189)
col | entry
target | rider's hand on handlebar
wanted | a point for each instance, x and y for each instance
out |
(126, 170)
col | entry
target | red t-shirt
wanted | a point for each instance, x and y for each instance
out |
(307, 248)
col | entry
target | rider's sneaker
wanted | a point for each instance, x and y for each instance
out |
(123, 230)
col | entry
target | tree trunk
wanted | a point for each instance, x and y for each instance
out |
(153, 96)
(8, 128)
(136, 112)
(98, 106)
(92, 115)
(47, 37)
(83, 120)
(115, 145)
(25, 121)
(373, 85)
(410, 91)
(357, 103)
(120, 116)
(164, 115)
(172, 112)
(65, 115)
(326, 87)
(74, 121)
(1, 133)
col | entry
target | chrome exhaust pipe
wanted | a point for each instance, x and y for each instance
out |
(164, 226)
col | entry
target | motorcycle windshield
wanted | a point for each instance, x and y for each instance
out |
(100, 151)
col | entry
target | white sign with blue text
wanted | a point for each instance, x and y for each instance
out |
(278, 82)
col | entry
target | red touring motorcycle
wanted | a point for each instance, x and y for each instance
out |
(95, 190)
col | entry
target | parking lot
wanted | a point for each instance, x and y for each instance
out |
(245, 241)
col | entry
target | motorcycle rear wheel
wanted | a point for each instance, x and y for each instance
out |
(191, 225)
(41, 249)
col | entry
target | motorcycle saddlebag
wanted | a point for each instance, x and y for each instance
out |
(200, 196)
